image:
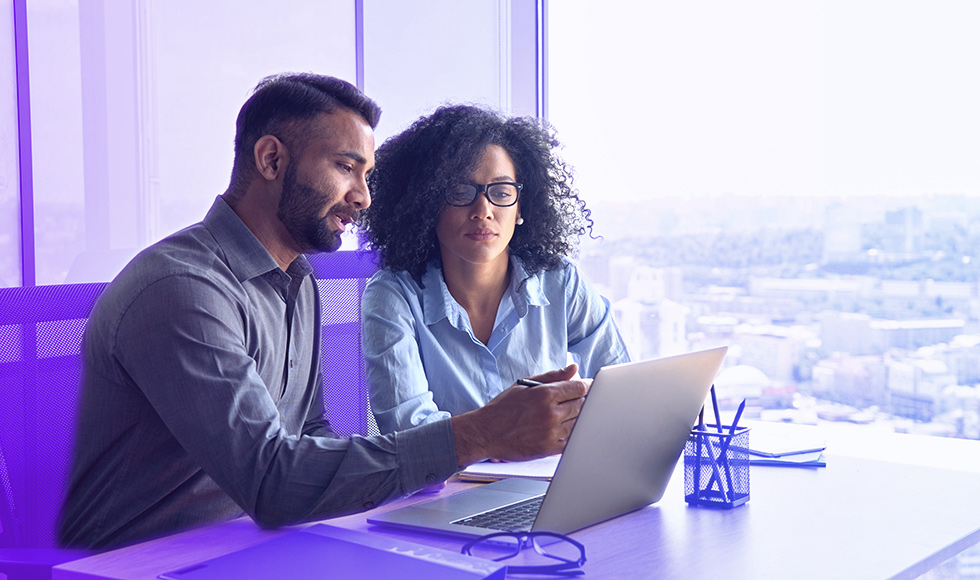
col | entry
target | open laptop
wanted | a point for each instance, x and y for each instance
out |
(619, 457)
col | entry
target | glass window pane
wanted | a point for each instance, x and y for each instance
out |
(134, 108)
(9, 171)
(204, 58)
(419, 55)
(798, 180)
(56, 140)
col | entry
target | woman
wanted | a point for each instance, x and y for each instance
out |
(473, 216)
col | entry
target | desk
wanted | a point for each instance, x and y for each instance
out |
(857, 518)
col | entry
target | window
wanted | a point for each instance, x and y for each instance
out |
(798, 180)
(56, 137)
(133, 114)
(9, 160)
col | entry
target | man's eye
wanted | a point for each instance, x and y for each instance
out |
(346, 167)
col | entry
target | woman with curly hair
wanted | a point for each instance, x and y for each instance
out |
(473, 215)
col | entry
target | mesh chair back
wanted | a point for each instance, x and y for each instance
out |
(341, 277)
(41, 332)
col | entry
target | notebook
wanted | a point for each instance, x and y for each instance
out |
(323, 551)
(619, 457)
(486, 471)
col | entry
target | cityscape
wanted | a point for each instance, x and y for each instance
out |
(862, 309)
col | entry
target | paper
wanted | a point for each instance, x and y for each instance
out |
(541, 469)
(812, 459)
(771, 444)
(767, 446)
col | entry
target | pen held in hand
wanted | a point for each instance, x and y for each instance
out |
(527, 382)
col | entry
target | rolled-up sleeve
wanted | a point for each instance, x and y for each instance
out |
(186, 348)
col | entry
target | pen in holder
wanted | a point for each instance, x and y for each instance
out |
(716, 466)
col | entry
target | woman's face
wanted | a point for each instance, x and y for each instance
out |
(480, 233)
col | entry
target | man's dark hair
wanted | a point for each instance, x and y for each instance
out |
(414, 170)
(279, 101)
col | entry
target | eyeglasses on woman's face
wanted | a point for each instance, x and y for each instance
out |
(499, 193)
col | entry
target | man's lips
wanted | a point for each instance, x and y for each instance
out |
(342, 220)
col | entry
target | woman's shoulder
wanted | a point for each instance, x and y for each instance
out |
(564, 272)
(386, 282)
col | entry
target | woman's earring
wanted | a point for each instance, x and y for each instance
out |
(520, 221)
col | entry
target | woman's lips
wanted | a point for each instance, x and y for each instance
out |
(481, 235)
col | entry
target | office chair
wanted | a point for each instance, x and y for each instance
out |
(41, 332)
(40, 365)
(341, 277)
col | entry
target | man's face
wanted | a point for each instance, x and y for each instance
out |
(324, 187)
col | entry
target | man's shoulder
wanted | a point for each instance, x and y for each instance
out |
(180, 262)
(192, 251)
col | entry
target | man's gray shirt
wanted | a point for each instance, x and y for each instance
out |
(201, 400)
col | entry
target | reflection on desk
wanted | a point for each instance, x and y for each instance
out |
(860, 517)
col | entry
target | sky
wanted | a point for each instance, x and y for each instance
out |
(767, 97)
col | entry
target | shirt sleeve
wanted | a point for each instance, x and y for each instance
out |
(593, 338)
(400, 395)
(182, 342)
(316, 423)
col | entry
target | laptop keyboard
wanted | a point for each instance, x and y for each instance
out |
(516, 517)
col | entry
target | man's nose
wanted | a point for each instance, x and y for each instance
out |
(360, 195)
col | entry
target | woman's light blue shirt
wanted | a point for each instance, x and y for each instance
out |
(424, 362)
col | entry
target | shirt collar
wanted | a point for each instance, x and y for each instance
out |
(526, 289)
(437, 303)
(247, 257)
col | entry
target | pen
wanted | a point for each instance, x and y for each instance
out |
(698, 438)
(714, 404)
(738, 414)
(527, 382)
(723, 452)
(727, 443)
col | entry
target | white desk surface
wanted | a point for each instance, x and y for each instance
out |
(886, 506)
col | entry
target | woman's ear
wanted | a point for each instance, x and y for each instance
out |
(271, 157)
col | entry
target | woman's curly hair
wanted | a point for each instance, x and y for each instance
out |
(414, 170)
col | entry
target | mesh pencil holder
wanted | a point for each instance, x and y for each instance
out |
(716, 467)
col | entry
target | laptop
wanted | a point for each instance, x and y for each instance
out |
(619, 457)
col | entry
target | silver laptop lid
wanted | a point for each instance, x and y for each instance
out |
(627, 439)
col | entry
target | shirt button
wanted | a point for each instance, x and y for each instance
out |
(368, 505)
(431, 478)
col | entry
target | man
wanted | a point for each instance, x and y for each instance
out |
(201, 399)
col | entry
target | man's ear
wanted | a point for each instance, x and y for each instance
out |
(271, 157)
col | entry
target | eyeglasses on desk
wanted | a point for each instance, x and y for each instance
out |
(552, 553)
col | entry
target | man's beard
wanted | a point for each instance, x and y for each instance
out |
(299, 210)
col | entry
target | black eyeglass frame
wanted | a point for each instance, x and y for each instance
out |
(485, 190)
(525, 539)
